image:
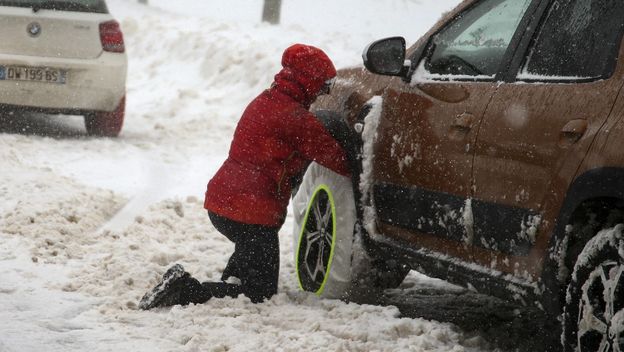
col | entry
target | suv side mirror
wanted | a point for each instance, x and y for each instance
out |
(386, 57)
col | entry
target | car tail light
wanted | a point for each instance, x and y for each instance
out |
(111, 37)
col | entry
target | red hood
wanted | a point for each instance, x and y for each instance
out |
(305, 70)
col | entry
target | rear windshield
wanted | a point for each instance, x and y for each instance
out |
(97, 6)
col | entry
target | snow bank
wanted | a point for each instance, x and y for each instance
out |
(134, 259)
(49, 212)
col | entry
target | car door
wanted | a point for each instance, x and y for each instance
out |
(539, 126)
(427, 130)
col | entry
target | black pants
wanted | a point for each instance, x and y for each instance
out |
(255, 261)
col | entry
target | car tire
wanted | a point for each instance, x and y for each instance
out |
(330, 258)
(106, 123)
(593, 318)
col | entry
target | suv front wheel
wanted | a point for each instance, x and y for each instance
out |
(330, 257)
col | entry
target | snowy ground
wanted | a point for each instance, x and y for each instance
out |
(88, 225)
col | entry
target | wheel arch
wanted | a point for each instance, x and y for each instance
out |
(592, 195)
(338, 126)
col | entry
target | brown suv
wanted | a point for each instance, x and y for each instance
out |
(490, 154)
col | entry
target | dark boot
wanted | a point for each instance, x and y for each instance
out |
(176, 287)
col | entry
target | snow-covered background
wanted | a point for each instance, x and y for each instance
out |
(87, 225)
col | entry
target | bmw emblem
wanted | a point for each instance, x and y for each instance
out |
(33, 29)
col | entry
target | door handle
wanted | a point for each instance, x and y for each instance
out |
(463, 122)
(572, 132)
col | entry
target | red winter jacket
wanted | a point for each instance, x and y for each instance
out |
(274, 140)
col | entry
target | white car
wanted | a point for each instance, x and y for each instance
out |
(64, 57)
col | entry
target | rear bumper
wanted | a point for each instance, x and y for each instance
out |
(94, 84)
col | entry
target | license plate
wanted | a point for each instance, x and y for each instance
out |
(36, 74)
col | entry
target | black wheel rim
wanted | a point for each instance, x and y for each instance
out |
(316, 242)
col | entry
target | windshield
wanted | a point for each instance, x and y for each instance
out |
(97, 6)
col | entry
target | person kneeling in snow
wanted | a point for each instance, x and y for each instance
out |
(246, 200)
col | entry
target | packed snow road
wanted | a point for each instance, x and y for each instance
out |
(87, 225)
